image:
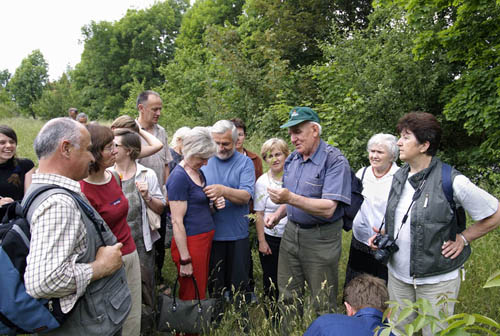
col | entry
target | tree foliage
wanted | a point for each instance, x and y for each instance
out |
(57, 97)
(468, 34)
(116, 54)
(28, 81)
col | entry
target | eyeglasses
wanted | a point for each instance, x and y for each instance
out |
(110, 147)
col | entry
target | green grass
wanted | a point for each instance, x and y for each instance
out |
(473, 298)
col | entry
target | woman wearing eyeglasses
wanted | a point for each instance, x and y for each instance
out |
(104, 193)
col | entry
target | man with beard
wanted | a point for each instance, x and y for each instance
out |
(231, 175)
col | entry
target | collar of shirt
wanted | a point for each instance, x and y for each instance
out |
(59, 180)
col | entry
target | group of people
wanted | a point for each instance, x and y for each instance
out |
(206, 185)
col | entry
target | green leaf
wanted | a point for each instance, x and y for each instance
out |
(405, 313)
(493, 280)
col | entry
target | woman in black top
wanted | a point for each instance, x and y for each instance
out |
(15, 174)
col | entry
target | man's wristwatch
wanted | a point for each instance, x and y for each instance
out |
(466, 242)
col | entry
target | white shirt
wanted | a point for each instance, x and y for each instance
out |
(372, 211)
(478, 204)
(263, 203)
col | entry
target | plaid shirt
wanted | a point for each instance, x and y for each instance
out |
(58, 238)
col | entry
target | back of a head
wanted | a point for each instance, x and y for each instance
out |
(125, 121)
(55, 131)
(366, 291)
(179, 135)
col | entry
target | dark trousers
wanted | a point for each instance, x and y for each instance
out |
(228, 266)
(270, 267)
(361, 260)
(159, 247)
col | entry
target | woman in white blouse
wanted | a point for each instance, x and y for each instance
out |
(377, 178)
(274, 151)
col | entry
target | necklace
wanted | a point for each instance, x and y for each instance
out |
(380, 176)
(276, 182)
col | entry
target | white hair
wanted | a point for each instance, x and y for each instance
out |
(387, 140)
(222, 126)
(55, 131)
(179, 134)
(317, 124)
(198, 142)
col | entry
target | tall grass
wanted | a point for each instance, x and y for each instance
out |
(472, 298)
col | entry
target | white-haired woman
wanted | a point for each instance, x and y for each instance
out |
(176, 146)
(377, 178)
(192, 213)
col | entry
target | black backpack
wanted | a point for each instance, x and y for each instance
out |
(19, 312)
(357, 199)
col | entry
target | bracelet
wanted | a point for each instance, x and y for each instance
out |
(466, 242)
(185, 261)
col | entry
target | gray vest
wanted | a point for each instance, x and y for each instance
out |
(430, 221)
(106, 302)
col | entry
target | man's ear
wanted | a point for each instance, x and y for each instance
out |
(349, 309)
(66, 147)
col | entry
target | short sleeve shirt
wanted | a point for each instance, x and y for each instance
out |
(237, 172)
(180, 187)
(325, 175)
(158, 160)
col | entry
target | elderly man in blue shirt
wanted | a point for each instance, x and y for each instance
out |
(316, 182)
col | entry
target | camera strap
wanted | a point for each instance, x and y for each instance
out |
(415, 197)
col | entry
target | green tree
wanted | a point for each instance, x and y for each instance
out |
(468, 34)
(57, 97)
(295, 28)
(115, 54)
(370, 79)
(28, 81)
(206, 13)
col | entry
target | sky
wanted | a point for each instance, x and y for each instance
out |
(53, 27)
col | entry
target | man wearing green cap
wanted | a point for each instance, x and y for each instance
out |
(316, 180)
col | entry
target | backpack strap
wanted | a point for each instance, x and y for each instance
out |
(31, 197)
(363, 175)
(116, 176)
(447, 184)
(89, 211)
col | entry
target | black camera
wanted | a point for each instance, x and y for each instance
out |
(386, 247)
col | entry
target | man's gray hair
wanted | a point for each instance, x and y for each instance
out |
(55, 131)
(319, 127)
(198, 142)
(222, 126)
(389, 141)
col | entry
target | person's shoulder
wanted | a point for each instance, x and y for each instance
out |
(25, 163)
(329, 325)
(141, 169)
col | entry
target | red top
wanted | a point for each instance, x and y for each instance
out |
(110, 202)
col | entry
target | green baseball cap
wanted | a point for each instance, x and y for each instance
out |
(300, 114)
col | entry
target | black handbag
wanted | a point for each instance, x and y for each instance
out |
(187, 316)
